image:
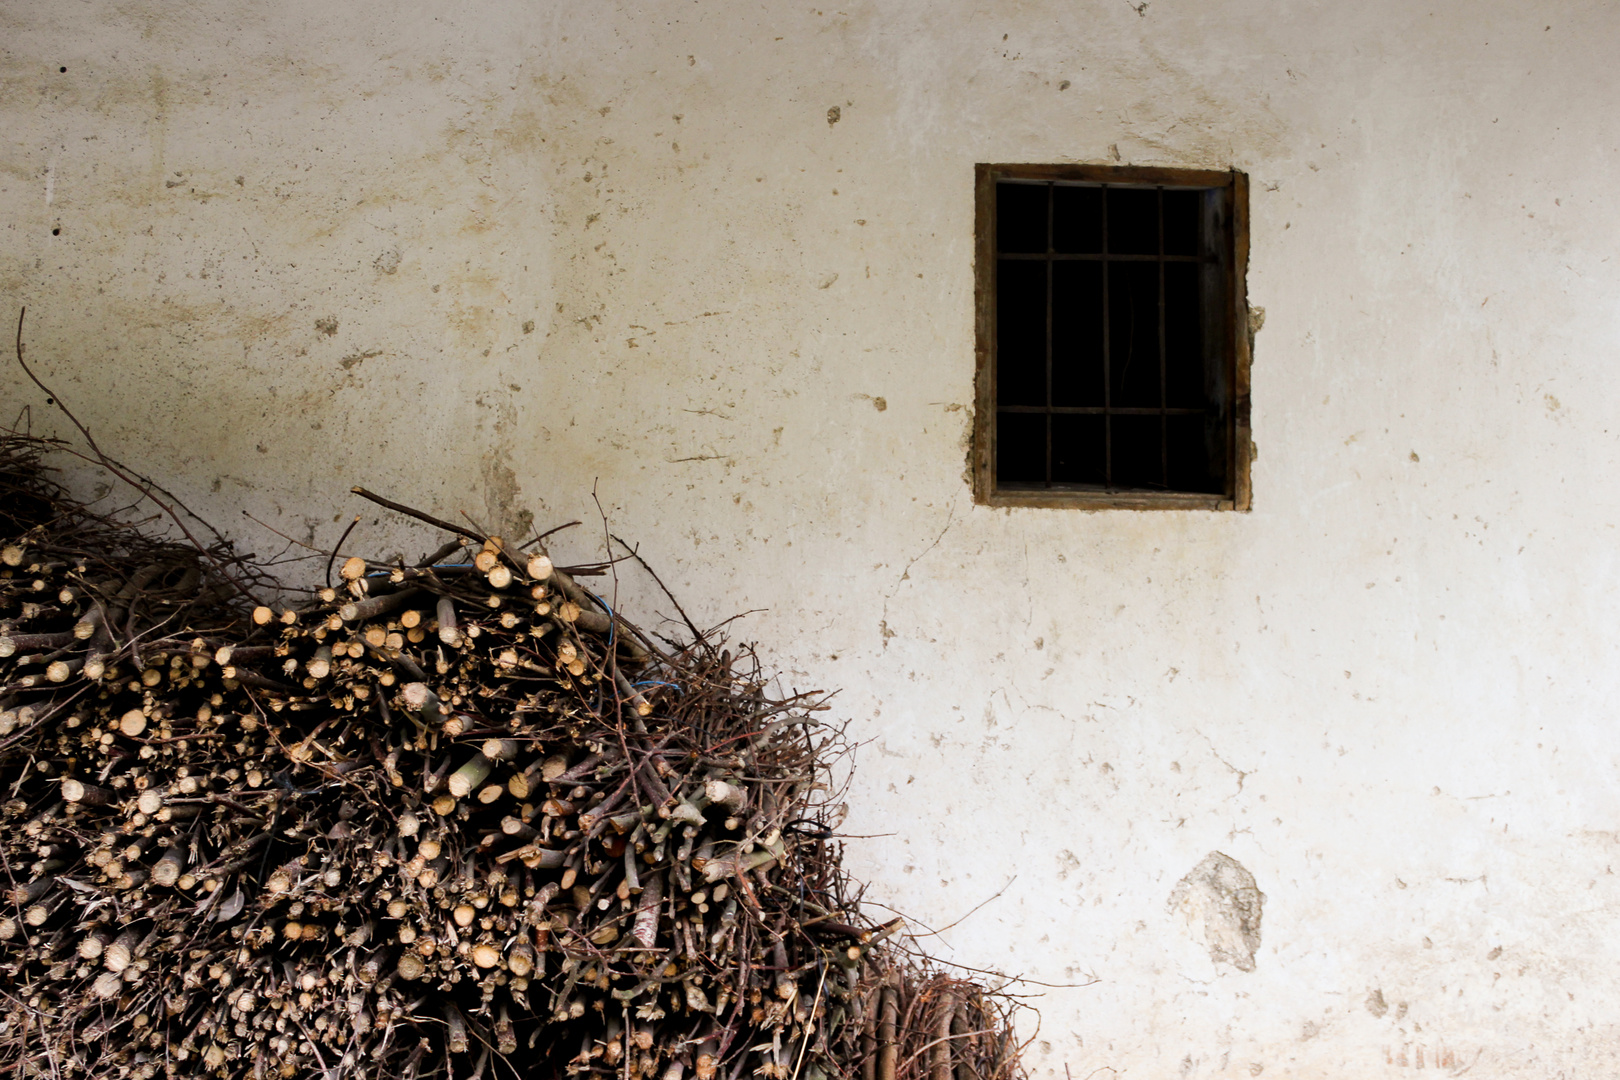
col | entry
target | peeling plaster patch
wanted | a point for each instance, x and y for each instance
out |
(1221, 904)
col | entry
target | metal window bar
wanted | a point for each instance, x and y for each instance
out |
(1107, 358)
(1098, 410)
(1051, 196)
(1164, 420)
(1067, 256)
(1107, 410)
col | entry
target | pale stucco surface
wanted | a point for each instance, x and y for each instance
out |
(301, 245)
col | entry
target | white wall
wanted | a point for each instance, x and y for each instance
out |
(1386, 692)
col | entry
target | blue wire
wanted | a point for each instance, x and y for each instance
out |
(613, 629)
(613, 620)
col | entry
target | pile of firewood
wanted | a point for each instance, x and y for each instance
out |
(457, 818)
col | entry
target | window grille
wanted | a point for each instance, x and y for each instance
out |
(1113, 348)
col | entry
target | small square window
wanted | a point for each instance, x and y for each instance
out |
(1113, 349)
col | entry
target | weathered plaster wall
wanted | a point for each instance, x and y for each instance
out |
(487, 256)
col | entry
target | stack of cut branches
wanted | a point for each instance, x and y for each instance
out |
(457, 818)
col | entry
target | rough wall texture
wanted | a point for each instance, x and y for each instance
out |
(715, 261)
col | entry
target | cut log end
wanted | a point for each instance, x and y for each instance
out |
(469, 776)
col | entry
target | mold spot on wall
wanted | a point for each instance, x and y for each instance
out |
(1221, 905)
(834, 115)
(1376, 1003)
(327, 326)
(388, 261)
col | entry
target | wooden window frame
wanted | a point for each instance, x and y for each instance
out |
(1235, 342)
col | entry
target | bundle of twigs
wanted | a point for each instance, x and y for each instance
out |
(457, 818)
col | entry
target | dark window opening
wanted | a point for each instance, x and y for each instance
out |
(1112, 372)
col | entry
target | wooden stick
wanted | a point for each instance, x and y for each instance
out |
(456, 1043)
(888, 1049)
(376, 606)
(469, 775)
(418, 698)
(449, 633)
(77, 791)
(11, 644)
(429, 519)
(964, 1043)
(168, 869)
(646, 924)
(940, 1053)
